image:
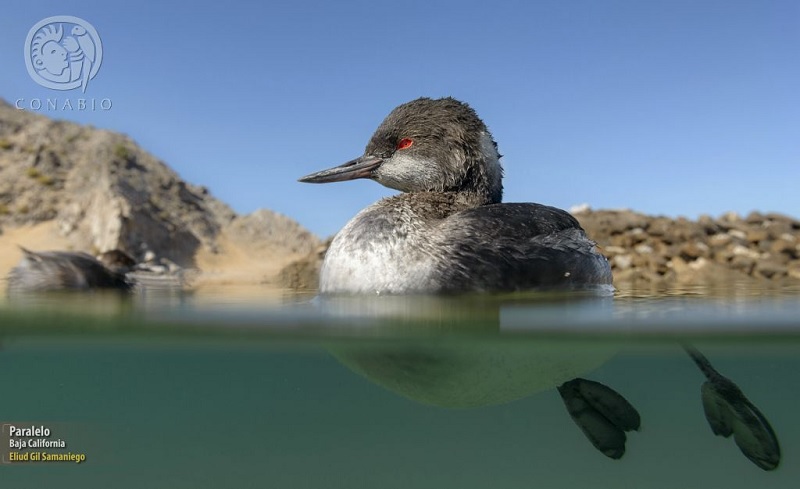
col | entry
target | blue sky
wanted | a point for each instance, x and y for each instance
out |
(673, 107)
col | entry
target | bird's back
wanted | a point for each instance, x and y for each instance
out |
(510, 247)
(61, 270)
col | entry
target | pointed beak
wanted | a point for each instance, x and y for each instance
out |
(361, 167)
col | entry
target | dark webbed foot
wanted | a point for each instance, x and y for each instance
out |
(729, 412)
(601, 413)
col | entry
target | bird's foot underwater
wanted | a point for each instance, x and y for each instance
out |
(729, 412)
(601, 413)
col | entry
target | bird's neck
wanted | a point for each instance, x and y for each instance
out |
(483, 183)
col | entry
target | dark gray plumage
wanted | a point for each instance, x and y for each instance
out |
(63, 270)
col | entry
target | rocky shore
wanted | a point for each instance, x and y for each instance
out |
(660, 251)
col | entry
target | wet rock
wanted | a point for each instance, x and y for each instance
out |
(793, 270)
(303, 274)
(622, 262)
(756, 235)
(730, 217)
(730, 220)
(720, 240)
(777, 229)
(739, 250)
(729, 248)
(612, 250)
(786, 247)
(754, 218)
(614, 222)
(771, 270)
(268, 230)
(693, 250)
(659, 226)
(737, 234)
(709, 225)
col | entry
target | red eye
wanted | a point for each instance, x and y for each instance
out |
(405, 143)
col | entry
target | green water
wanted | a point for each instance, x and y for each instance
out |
(186, 392)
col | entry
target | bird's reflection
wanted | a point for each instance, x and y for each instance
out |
(448, 372)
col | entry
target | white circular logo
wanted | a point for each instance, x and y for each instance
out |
(63, 52)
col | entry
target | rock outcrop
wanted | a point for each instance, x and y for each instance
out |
(303, 274)
(105, 192)
(267, 230)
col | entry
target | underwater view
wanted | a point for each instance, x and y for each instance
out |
(255, 389)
